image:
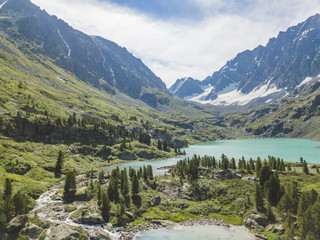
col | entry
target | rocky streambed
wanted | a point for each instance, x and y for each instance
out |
(64, 225)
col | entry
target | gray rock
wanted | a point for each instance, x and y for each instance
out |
(127, 156)
(98, 234)
(109, 227)
(92, 219)
(250, 179)
(224, 174)
(17, 223)
(144, 154)
(33, 231)
(254, 220)
(275, 229)
(156, 200)
(129, 215)
(260, 236)
(62, 231)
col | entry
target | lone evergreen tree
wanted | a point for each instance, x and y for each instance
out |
(258, 197)
(159, 146)
(8, 207)
(59, 163)
(305, 167)
(165, 145)
(70, 186)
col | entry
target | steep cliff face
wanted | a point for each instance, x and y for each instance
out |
(264, 74)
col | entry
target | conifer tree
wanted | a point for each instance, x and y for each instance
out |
(150, 172)
(258, 164)
(8, 207)
(59, 163)
(99, 193)
(101, 176)
(105, 207)
(272, 189)
(135, 185)
(270, 214)
(258, 197)
(20, 203)
(159, 146)
(165, 145)
(305, 167)
(70, 186)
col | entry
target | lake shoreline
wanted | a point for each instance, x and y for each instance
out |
(131, 234)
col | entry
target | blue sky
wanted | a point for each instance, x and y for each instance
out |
(183, 38)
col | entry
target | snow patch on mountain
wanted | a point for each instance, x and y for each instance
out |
(305, 81)
(65, 43)
(232, 96)
(180, 85)
(3, 4)
(201, 97)
(61, 79)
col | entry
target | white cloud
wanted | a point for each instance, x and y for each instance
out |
(180, 48)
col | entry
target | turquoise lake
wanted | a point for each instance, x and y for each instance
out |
(197, 232)
(289, 150)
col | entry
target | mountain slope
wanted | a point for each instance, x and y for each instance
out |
(265, 73)
(295, 116)
(94, 60)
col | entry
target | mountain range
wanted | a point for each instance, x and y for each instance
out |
(262, 75)
(94, 60)
(49, 68)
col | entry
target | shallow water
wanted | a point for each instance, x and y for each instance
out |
(206, 232)
(289, 150)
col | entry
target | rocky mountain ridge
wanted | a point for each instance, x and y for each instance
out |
(94, 60)
(262, 75)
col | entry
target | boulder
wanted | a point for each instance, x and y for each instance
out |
(260, 236)
(62, 231)
(275, 229)
(250, 179)
(130, 215)
(98, 234)
(17, 223)
(225, 174)
(145, 187)
(156, 200)
(33, 231)
(254, 220)
(92, 219)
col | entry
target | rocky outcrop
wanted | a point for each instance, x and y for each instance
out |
(146, 155)
(224, 174)
(92, 219)
(127, 156)
(17, 223)
(156, 200)
(33, 230)
(275, 228)
(255, 220)
(98, 234)
(250, 179)
(62, 231)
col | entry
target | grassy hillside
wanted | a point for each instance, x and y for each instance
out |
(37, 101)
